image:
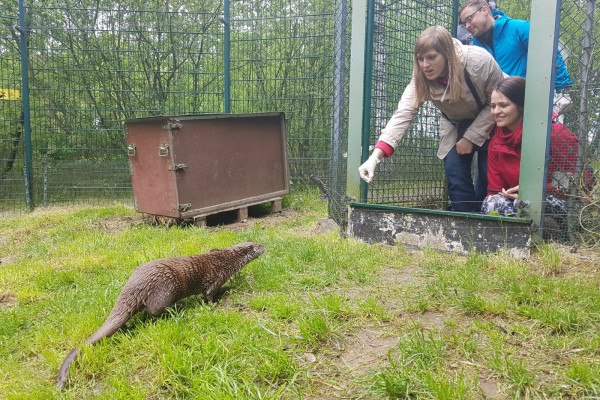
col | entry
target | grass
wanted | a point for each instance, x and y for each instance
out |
(317, 316)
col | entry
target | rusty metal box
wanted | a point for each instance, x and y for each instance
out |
(196, 165)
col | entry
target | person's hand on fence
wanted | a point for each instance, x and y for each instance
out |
(464, 146)
(367, 169)
(562, 104)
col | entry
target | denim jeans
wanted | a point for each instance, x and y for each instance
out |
(465, 195)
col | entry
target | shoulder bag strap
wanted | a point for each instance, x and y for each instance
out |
(472, 89)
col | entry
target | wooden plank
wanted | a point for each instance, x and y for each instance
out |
(242, 214)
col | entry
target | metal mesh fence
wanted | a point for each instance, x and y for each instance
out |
(414, 176)
(12, 181)
(92, 69)
(574, 160)
(93, 66)
(282, 60)
(576, 175)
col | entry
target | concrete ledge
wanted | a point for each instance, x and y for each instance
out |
(441, 230)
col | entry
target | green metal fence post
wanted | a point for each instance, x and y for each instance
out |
(336, 201)
(23, 39)
(360, 95)
(543, 40)
(227, 56)
(455, 17)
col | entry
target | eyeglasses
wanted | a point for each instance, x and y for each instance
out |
(470, 17)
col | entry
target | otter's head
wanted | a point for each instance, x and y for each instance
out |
(248, 251)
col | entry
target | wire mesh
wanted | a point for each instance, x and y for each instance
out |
(12, 181)
(414, 176)
(582, 166)
(282, 60)
(93, 66)
(574, 159)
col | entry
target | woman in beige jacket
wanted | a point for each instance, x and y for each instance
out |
(458, 80)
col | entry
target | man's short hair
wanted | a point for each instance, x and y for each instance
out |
(473, 3)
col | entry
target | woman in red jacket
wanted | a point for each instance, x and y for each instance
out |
(504, 150)
(504, 153)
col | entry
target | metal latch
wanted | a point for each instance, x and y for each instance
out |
(173, 124)
(178, 167)
(131, 150)
(163, 150)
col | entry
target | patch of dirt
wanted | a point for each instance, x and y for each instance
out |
(325, 225)
(119, 224)
(9, 257)
(341, 377)
(8, 300)
(389, 277)
(408, 275)
(7, 260)
(489, 388)
(366, 350)
(394, 278)
(428, 319)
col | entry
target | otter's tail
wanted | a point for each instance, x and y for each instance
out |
(63, 372)
(113, 323)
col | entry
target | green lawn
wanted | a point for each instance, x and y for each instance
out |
(316, 317)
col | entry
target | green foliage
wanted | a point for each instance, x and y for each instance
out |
(416, 370)
(585, 376)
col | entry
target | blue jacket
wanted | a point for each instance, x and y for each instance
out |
(511, 42)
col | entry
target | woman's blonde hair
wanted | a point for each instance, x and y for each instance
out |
(439, 39)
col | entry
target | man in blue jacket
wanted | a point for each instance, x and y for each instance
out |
(507, 40)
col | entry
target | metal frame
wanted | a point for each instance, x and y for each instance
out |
(359, 76)
(539, 91)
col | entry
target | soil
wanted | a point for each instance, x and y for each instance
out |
(7, 300)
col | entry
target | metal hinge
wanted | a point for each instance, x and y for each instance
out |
(131, 150)
(178, 167)
(131, 169)
(181, 207)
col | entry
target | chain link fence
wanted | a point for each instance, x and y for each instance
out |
(579, 36)
(11, 120)
(414, 176)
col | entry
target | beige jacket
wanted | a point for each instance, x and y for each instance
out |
(484, 73)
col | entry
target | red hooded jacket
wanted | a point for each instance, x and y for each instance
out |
(504, 158)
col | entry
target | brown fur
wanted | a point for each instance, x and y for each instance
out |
(158, 284)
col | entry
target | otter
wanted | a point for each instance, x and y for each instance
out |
(158, 284)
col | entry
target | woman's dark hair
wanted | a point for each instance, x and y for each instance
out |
(513, 87)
